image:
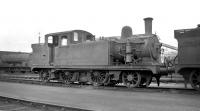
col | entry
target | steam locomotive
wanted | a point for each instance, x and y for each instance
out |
(131, 59)
(75, 56)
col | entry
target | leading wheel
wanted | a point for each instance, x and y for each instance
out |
(195, 79)
(131, 79)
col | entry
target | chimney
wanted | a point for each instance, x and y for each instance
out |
(148, 25)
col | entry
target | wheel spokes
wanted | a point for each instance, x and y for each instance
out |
(98, 78)
(195, 79)
(67, 77)
(131, 79)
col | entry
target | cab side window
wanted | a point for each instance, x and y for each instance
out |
(50, 39)
(64, 41)
(75, 36)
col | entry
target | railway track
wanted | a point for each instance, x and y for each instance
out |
(153, 88)
(12, 104)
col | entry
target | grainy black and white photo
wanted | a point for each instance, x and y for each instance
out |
(99, 55)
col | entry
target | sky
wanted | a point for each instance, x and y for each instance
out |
(21, 21)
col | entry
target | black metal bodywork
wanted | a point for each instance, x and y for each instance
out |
(189, 55)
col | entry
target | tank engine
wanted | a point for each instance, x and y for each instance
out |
(75, 56)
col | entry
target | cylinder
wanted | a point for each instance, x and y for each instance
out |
(148, 25)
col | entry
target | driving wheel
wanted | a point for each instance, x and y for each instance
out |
(98, 78)
(131, 79)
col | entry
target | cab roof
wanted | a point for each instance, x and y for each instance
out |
(66, 32)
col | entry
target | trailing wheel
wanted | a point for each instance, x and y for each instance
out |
(98, 78)
(131, 79)
(195, 79)
(67, 77)
(44, 76)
